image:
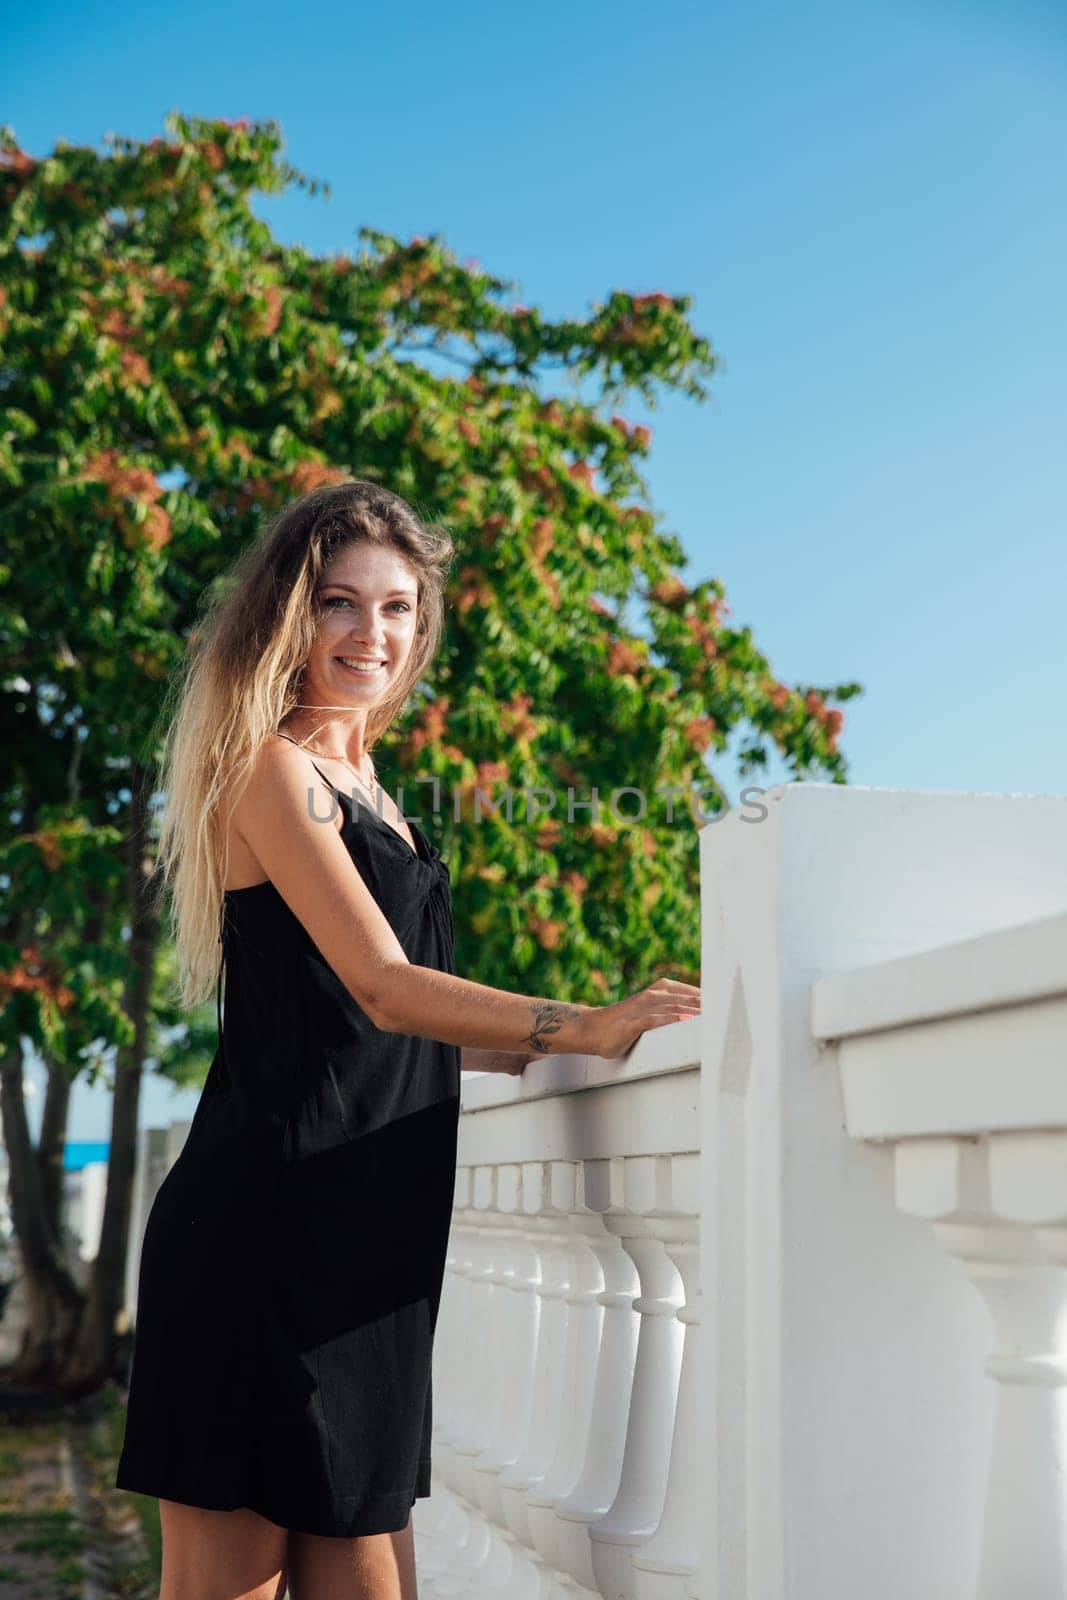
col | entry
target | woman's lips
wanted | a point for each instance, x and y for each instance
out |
(357, 672)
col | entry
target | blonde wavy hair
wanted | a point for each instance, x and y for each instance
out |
(241, 676)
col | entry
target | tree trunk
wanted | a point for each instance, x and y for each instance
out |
(55, 1115)
(55, 1302)
(54, 1299)
(71, 1340)
(51, 1144)
(94, 1358)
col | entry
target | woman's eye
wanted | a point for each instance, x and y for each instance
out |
(340, 599)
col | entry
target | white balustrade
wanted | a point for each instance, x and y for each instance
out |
(720, 1295)
(564, 1287)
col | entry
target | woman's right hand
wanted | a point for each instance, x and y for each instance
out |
(612, 1031)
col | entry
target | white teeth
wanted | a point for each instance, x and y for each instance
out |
(360, 666)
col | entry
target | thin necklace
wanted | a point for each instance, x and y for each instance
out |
(328, 755)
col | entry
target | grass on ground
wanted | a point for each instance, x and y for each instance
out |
(42, 1542)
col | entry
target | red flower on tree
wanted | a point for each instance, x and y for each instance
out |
(700, 732)
(623, 658)
(668, 591)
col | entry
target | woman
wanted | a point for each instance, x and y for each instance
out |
(280, 1399)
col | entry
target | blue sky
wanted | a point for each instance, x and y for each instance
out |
(867, 203)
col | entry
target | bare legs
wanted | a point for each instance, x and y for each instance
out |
(378, 1566)
(220, 1555)
(239, 1555)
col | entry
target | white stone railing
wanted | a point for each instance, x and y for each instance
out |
(880, 1040)
(565, 1369)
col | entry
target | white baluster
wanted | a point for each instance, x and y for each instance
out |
(509, 1420)
(466, 1538)
(482, 1340)
(1028, 1183)
(440, 1522)
(471, 1556)
(495, 1569)
(638, 1505)
(536, 1454)
(473, 1331)
(665, 1566)
(585, 1316)
(448, 1348)
(598, 1481)
(509, 1572)
(1024, 1546)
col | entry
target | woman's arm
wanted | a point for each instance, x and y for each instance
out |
(439, 1005)
(315, 875)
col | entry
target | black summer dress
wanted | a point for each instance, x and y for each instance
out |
(293, 1257)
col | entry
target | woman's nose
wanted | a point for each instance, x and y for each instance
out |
(369, 638)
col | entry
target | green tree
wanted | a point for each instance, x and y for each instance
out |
(169, 373)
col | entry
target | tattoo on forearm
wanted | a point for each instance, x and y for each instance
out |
(548, 1019)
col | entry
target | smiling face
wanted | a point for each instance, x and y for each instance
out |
(366, 603)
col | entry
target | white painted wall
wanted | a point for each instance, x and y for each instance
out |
(848, 1413)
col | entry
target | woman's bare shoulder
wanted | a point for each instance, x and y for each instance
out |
(271, 773)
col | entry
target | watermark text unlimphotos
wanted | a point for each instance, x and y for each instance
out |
(536, 804)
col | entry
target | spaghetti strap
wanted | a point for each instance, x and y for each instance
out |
(324, 776)
(335, 788)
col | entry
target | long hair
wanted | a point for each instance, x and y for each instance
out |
(241, 676)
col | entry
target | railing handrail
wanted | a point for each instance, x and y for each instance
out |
(1006, 967)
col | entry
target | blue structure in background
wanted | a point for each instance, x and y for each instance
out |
(78, 1154)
